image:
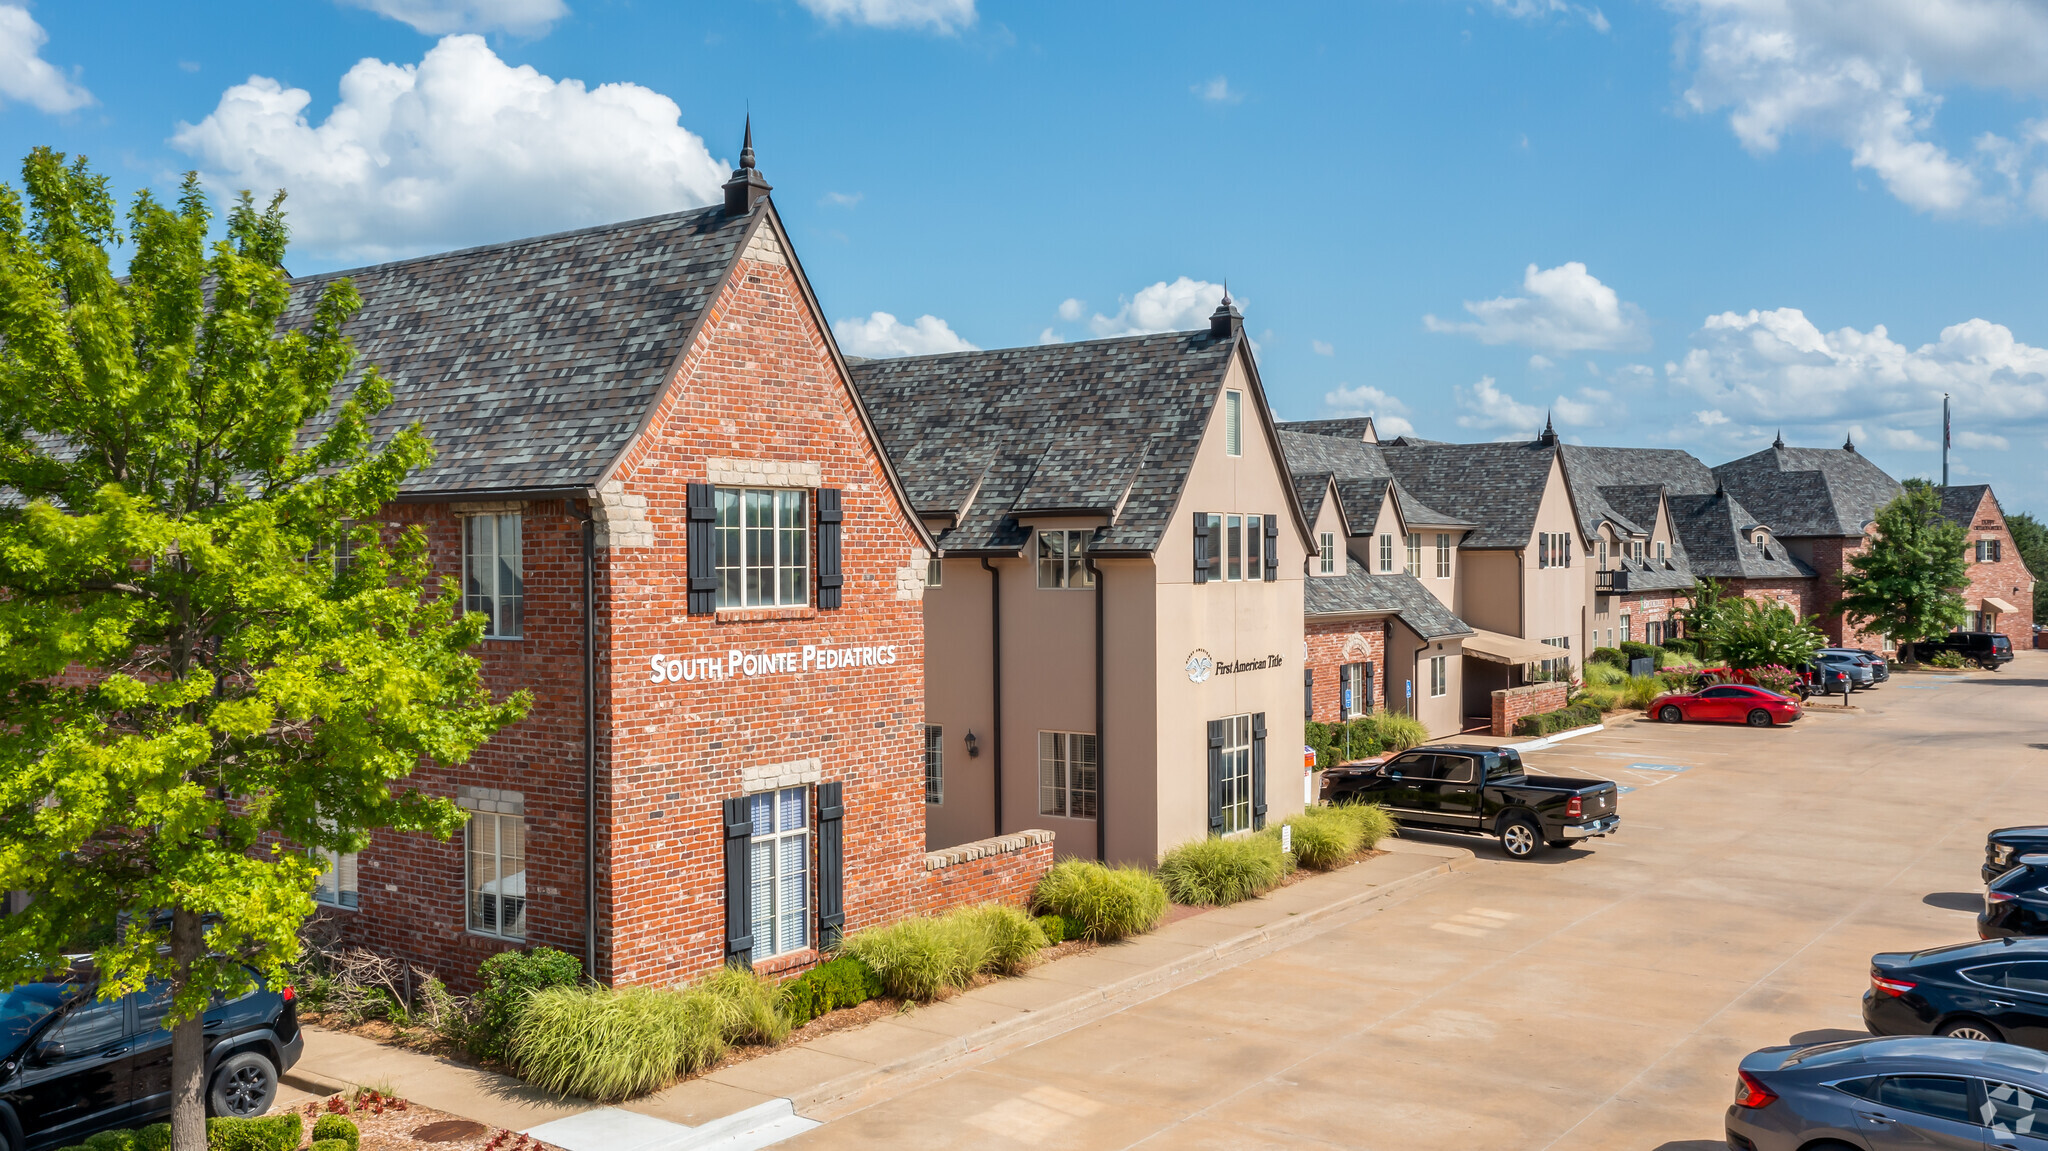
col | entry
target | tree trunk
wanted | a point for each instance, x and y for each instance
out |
(188, 1041)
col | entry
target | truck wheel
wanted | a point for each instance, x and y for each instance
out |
(1519, 837)
(1758, 717)
(1670, 713)
(243, 1086)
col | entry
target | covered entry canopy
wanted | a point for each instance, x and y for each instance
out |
(1509, 648)
(1998, 605)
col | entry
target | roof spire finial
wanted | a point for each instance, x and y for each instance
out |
(747, 146)
(1226, 320)
(1849, 441)
(1780, 441)
(1549, 433)
(746, 188)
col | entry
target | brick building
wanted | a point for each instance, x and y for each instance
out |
(655, 481)
(2000, 595)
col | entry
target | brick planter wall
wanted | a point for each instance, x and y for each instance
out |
(1512, 703)
(1004, 869)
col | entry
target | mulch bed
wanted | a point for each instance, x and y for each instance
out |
(388, 1123)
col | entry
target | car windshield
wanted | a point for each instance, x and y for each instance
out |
(27, 1005)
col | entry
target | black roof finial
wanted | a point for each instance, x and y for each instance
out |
(1549, 433)
(1780, 441)
(746, 187)
(1226, 320)
(1849, 442)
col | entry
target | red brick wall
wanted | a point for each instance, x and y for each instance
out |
(1796, 594)
(1326, 641)
(2007, 578)
(1512, 703)
(1005, 869)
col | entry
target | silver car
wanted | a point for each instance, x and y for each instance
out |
(1891, 1094)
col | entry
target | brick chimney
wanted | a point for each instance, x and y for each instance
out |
(747, 187)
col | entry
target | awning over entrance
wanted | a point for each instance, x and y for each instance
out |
(1993, 603)
(1509, 648)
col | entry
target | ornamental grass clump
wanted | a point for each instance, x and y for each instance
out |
(1324, 837)
(1014, 938)
(746, 1006)
(607, 1045)
(1106, 903)
(1216, 872)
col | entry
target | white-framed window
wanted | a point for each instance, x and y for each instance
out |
(1066, 774)
(1237, 774)
(934, 763)
(1242, 540)
(1415, 554)
(496, 847)
(1439, 675)
(1603, 555)
(493, 574)
(1988, 551)
(934, 572)
(1326, 553)
(1625, 636)
(1233, 423)
(764, 547)
(1386, 552)
(1063, 558)
(1660, 551)
(1443, 555)
(779, 859)
(337, 885)
(1563, 663)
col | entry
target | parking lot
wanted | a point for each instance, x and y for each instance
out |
(1596, 998)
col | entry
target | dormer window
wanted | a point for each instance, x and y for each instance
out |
(1233, 423)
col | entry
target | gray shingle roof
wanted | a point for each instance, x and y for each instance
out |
(1361, 472)
(1495, 486)
(1351, 427)
(1398, 593)
(1961, 503)
(531, 364)
(1803, 492)
(1058, 426)
(1715, 527)
(1592, 471)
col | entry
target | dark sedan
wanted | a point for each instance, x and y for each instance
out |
(2016, 903)
(1890, 1093)
(1995, 990)
(2003, 848)
(1727, 703)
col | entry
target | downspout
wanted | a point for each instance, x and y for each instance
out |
(589, 742)
(1101, 761)
(995, 629)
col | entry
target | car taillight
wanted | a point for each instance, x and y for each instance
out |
(1994, 897)
(288, 994)
(1891, 987)
(1751, 1093)
(1574, 807)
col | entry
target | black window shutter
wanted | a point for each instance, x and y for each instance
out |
(1216, 777)
(739, 886)
(1308, 694)
(701, 543)
(829, 522)
(1201, 547)
(1258, 770)
(1365, 695)
(1272, 552)
(831, 865)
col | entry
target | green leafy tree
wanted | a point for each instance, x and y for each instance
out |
(195, 688)
(2030, 539)
(1749, 633)
(1907, 583)
(1702, 617)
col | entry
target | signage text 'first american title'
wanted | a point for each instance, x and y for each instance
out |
(736, 663)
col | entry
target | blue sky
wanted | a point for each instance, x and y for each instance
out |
(1682, 223)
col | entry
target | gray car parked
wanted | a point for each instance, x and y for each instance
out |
(1891, 1094)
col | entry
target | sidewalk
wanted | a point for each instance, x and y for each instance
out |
(763, 1100)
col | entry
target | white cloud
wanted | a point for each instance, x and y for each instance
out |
(1362, 400)
(881, 334)
(27, 78)
(440, 17)
(944, 16)
(1898, 439)
(842, 199)
(1768, 366)
(1217, 91)
(1180, 306)
(1539, 9)
(1048, 336)
(1322, 349)
(458, 149)
(1565, 309)
(1590, 408)
(1710, 418)
(1980, 440)
(1072, 309)
(1868, 75)
(1540, 363)
(1486, 407)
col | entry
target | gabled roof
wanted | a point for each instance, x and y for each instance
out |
(1310, 490)
(1497, 487)
(1362, 476)
(1592, 471)
(1357, 428)
(532, 364)
(1960, 503)
(1357, 592)
(1716, 529)
(1804, 492)
(1101, 427)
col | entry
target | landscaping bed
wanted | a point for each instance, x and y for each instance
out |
(388, 1123)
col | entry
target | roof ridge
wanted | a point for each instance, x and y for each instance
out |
(1032, 347)
(501, 245)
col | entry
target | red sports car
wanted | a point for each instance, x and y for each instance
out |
(1727, 703)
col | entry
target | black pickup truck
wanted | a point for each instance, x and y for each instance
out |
(1482, 790)
(2003, 848)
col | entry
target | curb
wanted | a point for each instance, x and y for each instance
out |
(1546, 741)
(1065, 1016)
(314, 1084)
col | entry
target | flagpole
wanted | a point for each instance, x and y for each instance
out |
(1944, 439)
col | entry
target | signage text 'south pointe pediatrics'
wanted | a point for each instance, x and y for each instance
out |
(735, 664)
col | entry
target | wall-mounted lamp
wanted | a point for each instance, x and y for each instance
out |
(973, 746)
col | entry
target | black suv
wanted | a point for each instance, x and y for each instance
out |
(71, 1064)
(2003, 848)
(1989, 650)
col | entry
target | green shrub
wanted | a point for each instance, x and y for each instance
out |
(746, 1006)
(1372, 821)
(836, 983)
(607, 1045)
(510, 979)
(111, 1141)
(1605, 674)
(270, 1133)
(331, 1145)
(1105, 903)
(1635, 649)
(1014, 938)
(1215, 872)
(1058, 928)
(1947, 659)
(1610, 656)
(1563, 719)
(1327, 836)
(1681, 646)
(920, 957)
(336, 1127)
(1396, 731)
(1642, 690)
(75, 1147)
(155, 1137)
